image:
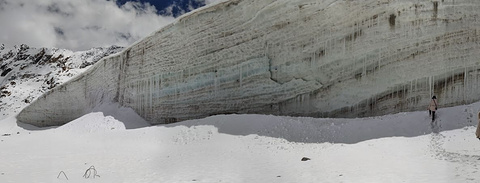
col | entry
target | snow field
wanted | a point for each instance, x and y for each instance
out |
(246, 148)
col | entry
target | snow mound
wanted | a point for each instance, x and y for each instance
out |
(128, 116)
(95, 122)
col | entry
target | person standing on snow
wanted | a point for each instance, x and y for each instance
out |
(432, 107)
(478, 127)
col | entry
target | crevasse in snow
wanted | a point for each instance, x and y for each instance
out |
(301, 58)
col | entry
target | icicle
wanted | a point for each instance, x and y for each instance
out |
(364, 66)
(176, 85)
(266, 49)
(464, 83)
(215, 83)
(433, 85)
(476, 78)
(430, 85)
(313, 60)
(445, 85)
(241, 74)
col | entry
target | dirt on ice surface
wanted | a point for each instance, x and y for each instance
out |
(404, 147)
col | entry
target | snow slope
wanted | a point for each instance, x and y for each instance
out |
(404, 147)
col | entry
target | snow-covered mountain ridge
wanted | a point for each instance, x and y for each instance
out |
(282, 57)
(28, 72)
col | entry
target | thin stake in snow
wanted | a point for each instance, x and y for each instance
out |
(63, 175)
(88, 172)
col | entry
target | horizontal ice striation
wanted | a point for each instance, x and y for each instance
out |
(328, 58)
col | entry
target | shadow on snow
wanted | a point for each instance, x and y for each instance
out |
(349, 131)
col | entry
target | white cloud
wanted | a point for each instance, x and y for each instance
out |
(207, 2)
(76, 25)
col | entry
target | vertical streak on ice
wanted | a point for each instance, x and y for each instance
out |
(476, 78)
(445, 85)
(241, 74)
(411, 88)
(151, 82)
(145, 96)
(176, 84)
(430, 85)
(215, 84)
(465, 82)
(433, 85)
(364, 66)
(454, 89)
(266, 48)
(416, 89)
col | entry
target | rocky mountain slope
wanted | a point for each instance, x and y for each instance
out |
(334, 58)
(28, 72)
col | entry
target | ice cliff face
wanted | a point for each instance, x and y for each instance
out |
(333, 58)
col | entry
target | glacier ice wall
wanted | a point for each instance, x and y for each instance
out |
(331, 58)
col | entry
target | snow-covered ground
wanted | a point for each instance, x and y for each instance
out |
(404, 147)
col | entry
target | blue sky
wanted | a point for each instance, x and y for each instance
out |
(159, 4)
(83, 24)
(171, 7)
